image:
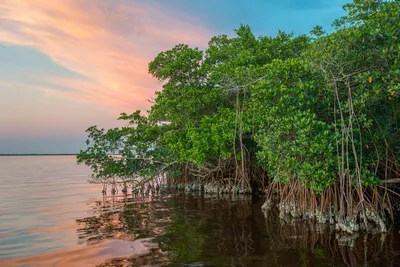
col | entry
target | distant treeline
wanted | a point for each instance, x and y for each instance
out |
(34, 154)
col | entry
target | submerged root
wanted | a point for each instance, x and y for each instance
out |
(367, 213)
(267, 206)
(214, 188)
(346, 240)
(209, 188)
(226, 189)
(349, 225)
(355, 249)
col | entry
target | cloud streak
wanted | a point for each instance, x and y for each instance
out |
(108, 42)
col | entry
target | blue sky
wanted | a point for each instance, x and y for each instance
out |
(264, 16)
(67, 65)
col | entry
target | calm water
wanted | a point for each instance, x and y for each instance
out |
(50, 216)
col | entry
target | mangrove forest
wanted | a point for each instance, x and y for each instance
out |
(311, 121)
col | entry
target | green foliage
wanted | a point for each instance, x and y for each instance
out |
(295, 141)
(293, 106)
(211, 140)
(138, 147)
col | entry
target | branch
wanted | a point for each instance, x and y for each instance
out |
(391, 181)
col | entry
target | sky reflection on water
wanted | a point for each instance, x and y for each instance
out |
(50, 216)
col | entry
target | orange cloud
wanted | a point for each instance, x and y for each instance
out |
(109, 42)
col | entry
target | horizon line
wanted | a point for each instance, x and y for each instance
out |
(38, 154)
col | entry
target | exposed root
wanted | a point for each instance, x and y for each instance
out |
(295, 201)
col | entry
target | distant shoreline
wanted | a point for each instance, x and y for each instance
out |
(61, 154)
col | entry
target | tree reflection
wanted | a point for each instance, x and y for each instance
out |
(185, 227)
(318, 243)
(198, 230)
(119, 217)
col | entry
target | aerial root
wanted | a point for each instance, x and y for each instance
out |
(295, 202)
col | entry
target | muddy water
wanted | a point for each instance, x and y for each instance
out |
(50, 216)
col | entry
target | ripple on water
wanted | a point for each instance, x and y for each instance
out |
(51, 216)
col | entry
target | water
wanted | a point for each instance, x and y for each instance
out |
(50, 216)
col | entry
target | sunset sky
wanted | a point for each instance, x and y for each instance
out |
(68, 64)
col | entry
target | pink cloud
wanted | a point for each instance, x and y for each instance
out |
(5, 84)
(110, 43)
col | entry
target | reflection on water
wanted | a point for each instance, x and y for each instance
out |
(50, 216)
(211, 231)
(40, 198)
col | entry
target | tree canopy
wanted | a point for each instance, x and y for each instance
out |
(311, 117)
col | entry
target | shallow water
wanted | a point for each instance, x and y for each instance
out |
(50, 216)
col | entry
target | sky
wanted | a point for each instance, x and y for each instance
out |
(66, 65)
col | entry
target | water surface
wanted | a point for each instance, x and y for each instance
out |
(51, 216)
